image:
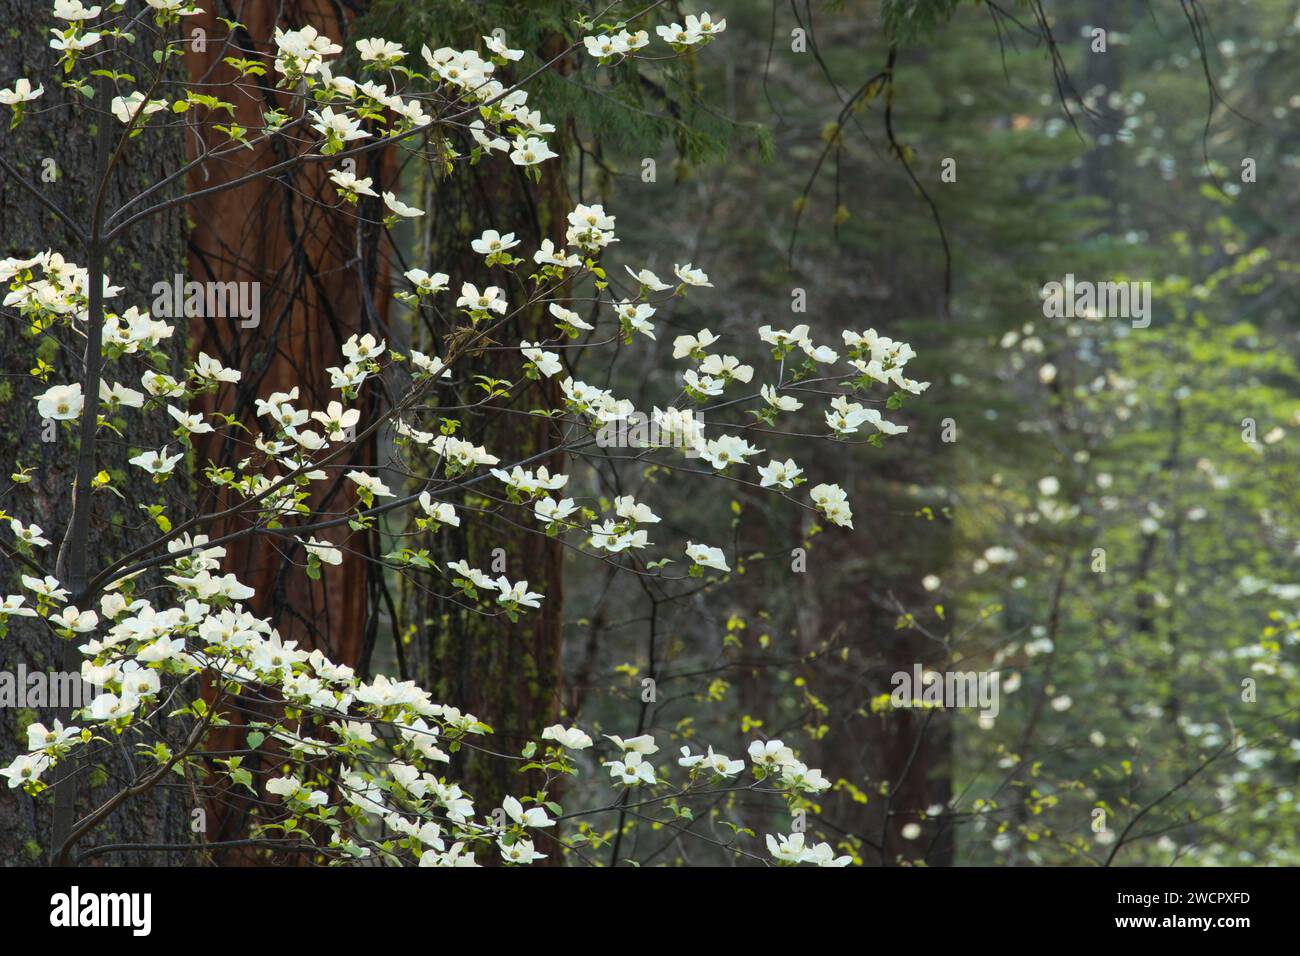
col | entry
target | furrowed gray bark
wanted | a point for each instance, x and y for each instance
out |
(57, 150)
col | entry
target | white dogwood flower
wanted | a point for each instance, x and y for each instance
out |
(707, 557)
(61, 402)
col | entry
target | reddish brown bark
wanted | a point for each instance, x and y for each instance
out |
(287, 234)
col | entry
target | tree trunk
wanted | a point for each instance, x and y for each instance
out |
(506, 674)
(319, 284)
(52, 150)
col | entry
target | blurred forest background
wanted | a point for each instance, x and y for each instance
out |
(806, 160)
(1161, 690)
(1106, 516)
